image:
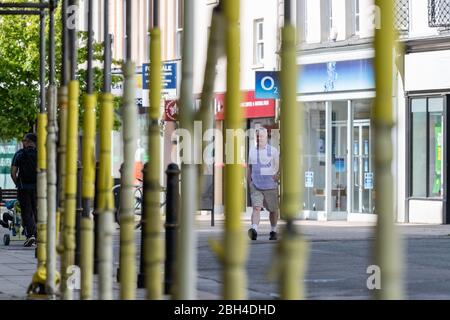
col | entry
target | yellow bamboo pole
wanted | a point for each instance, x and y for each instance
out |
(235, 248)
(38, 281)
(127, 247)
(387, 244)
(42, 189)
(88, 192)
(214, 51)
(70, 188)
(292, 248)
(105, 201)
(154, 255)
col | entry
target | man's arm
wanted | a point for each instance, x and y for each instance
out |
(14, 175)
(276, 163)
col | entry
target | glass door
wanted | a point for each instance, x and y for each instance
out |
(363, 177)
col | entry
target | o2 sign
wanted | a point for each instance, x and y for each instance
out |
(267, 85)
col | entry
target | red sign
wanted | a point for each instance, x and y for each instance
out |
(252, 107)
(170, 110)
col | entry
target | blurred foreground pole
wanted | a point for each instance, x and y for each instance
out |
(186, 260)
(88, 174)
(71, 160)
(235, 246)
(153, 255)
(105, 201)
(127, 272)
(387, 244)
(292, 253)
(52, 275)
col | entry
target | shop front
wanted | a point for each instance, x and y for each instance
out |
(337, 97)
(256, 112)
(427, 91)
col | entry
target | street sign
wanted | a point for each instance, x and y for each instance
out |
(309, 179)
(368, 180)
(168, 75)
(267, 85)
(7, 151)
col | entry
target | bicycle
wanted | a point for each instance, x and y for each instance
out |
(138, 201)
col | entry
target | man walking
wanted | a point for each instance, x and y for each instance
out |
(263, 176)
(23, 173)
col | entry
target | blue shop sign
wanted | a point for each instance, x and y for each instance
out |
(336, 76)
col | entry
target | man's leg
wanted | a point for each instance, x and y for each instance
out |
(33, 197)
(273, 217)
(256, 217)
(24, 198)
(271, 199)
(257, 203)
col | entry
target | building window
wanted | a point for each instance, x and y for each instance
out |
(302, 20)
(258, 41)
(427, 147)
(357, 17)
(179, 28)
(332, 28)
(401, 15)
(439, 13)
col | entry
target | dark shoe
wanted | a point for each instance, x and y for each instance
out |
(273, 235)
(252, 234)
(29, 242)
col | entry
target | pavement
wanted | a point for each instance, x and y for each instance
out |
(339, 253)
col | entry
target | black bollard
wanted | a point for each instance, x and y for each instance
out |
(97, 167)
(117, 212)
(79, 212)
(172, 212)
(141, 275)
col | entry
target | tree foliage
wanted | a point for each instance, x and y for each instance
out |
(19, 71)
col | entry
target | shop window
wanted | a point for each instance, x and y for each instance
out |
(426, 147)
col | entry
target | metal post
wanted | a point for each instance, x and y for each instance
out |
(141, 275)
(172, 212)
(51, 162)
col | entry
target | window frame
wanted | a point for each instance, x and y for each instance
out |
(179, 26)
(357, 17)
(302, 21)
(409, 150)
(258, 42)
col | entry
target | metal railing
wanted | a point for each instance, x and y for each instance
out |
(439, 13)
(401, 15)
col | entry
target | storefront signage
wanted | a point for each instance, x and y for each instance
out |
(252, 107)
(335, 76)
(368, 180)
(7, 151)
(117, 87)
(267, 85)
(170, 110)
(168, 75)
(309, 179)
(339, 164)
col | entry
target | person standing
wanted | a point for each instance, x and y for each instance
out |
(263, 176)
(23, 173)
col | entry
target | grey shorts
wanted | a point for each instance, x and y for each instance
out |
(264, 198)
